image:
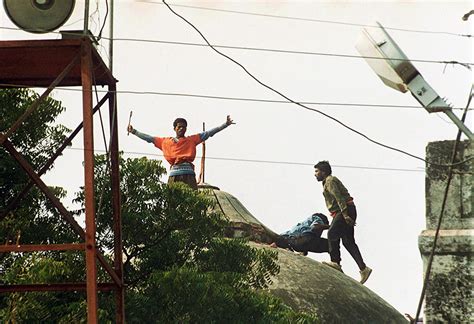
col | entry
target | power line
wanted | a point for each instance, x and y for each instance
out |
(260, 49)
(99, 36)
(312, 20)
(214, 97)
(266, 161)
(306, 107)
(283, 51)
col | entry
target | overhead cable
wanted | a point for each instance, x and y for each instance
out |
(266, 161)
(465, 64)
(99, 36)
(312, 20)
(202, 96)
(445, 62)
(304, 106)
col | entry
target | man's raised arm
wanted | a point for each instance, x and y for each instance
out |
(141, 135)
(205, 135)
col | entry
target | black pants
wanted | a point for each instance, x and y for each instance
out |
(306, 242)
(340, 230)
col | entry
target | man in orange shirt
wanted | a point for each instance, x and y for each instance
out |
(180, 150)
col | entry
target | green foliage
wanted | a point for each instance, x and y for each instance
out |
(206, 297)
(44, 307)
(178, 265)
(35, 221)
(255, 267)
(36, 139)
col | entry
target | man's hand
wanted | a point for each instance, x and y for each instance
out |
(229, 121)
(130, 129)
(349, 221)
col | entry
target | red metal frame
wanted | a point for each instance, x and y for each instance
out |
(72, 62)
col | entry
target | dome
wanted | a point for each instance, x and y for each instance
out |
(242, 222)
(303, 283)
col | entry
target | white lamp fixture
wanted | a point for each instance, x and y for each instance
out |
(396, 71)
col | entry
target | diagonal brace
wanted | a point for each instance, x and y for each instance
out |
(55, 201)
(38, 101)
(15, 201)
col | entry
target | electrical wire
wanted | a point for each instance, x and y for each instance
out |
(201, 96)
(99, 36)
(101, 196)
(312, 20)
(299, 104)
(464, 64)
(445, 62)
(263, 161)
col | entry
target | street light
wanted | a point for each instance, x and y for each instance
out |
(396, 71)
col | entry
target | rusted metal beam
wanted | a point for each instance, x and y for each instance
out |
(42, 247)
(36, 63)
(89, 201)
(56, 203)
(79, 286)
(15, 201)
(42, 186)
(38, 101)
(117, 213)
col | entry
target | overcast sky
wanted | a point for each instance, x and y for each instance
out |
(391, 203)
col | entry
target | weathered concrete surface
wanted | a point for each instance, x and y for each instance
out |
(449, 296)
(303, 283)
(243, 223)
(458, 211)
(309, 285)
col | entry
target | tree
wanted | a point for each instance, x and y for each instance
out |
(34, 221)
(36, 140)
(178, 265)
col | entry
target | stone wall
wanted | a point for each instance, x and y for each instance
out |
(449, 296)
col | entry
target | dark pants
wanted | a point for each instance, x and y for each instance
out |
(340, 230)
(306, 242)
(189, 179)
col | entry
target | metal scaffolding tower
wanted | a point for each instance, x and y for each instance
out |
(68, 62)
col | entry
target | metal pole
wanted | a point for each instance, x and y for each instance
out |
(459, 124)
(86, 17)
(117, 216)
(91, 267)
(203, 166)
(111, 36)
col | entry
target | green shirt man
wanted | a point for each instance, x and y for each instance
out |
(341, 206)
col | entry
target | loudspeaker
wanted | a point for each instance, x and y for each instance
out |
(39, 16)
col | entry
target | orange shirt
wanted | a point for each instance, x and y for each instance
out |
(178, 152)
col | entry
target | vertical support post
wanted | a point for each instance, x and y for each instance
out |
(91, 267)
(117, 216)
(111, 37)
(86, 17)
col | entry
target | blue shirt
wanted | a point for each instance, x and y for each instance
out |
(306, 225)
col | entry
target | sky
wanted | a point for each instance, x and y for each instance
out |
(266, 159)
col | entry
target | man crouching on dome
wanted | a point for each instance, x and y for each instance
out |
(305, 236)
